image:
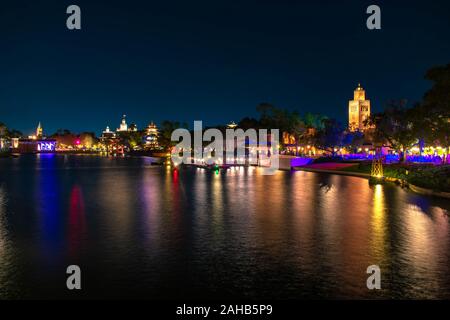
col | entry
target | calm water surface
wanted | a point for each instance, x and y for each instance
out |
(142, 231)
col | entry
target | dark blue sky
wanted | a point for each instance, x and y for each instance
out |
(209, 60)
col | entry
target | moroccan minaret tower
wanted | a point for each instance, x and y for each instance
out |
(358, 110)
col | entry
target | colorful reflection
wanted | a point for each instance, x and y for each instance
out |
(77, 221)
(47, 193)
(46, 146)
(7, 250)
(378, 224)
(197, 233)
(3, 231)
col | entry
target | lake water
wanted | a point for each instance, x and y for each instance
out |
(142, 231)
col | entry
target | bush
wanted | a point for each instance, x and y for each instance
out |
(435, 178)
(432, 177)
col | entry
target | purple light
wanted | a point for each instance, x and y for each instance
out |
(392, 158)
(424, 159)
(298, 162)
(357, 156)
(46, 146)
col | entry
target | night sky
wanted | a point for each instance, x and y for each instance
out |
(209, 60)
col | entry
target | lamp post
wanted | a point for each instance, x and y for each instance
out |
(376, 173)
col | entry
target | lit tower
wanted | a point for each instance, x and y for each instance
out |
(123, 125)
(39, 131)
(358, 110)
(151, 139)
(232, 125)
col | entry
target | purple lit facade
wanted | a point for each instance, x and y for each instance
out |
(393, 158)
(35, 146)
(46, 146)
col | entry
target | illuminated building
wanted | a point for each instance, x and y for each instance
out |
(151, 138)
(289, 142)
(109, 141)
(2, 144)
(231, 125)
(133, 128)
(14, 143)
(123, 125)
(288, 139)
(46, 146)
(358, 110)
(34, 146)
(107, 134)
(39, 131)
(292, 146)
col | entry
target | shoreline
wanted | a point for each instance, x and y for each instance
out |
(413, 188)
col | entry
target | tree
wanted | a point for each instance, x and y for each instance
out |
(287, 122)
(3, 130)
(274, 118)
(438, 97)
(249, 123)
(297, 128)
(13, 133)
(395, 126)
(434, 112)
(88, 139)
(131, 139)
(315, 121)
(64, 138)
(9, 133)
(353, 140)
(165, 134)
(330, 136)
(266, 114)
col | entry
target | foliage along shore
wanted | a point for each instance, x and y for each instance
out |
(436, 178)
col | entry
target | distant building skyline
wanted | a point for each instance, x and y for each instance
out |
(359, 109)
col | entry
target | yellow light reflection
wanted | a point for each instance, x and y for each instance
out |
(378, 223)
(6, 250)
(2, 222)
(217, 206)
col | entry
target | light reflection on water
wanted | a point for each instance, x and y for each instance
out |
(3, 230)
(148, 232)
